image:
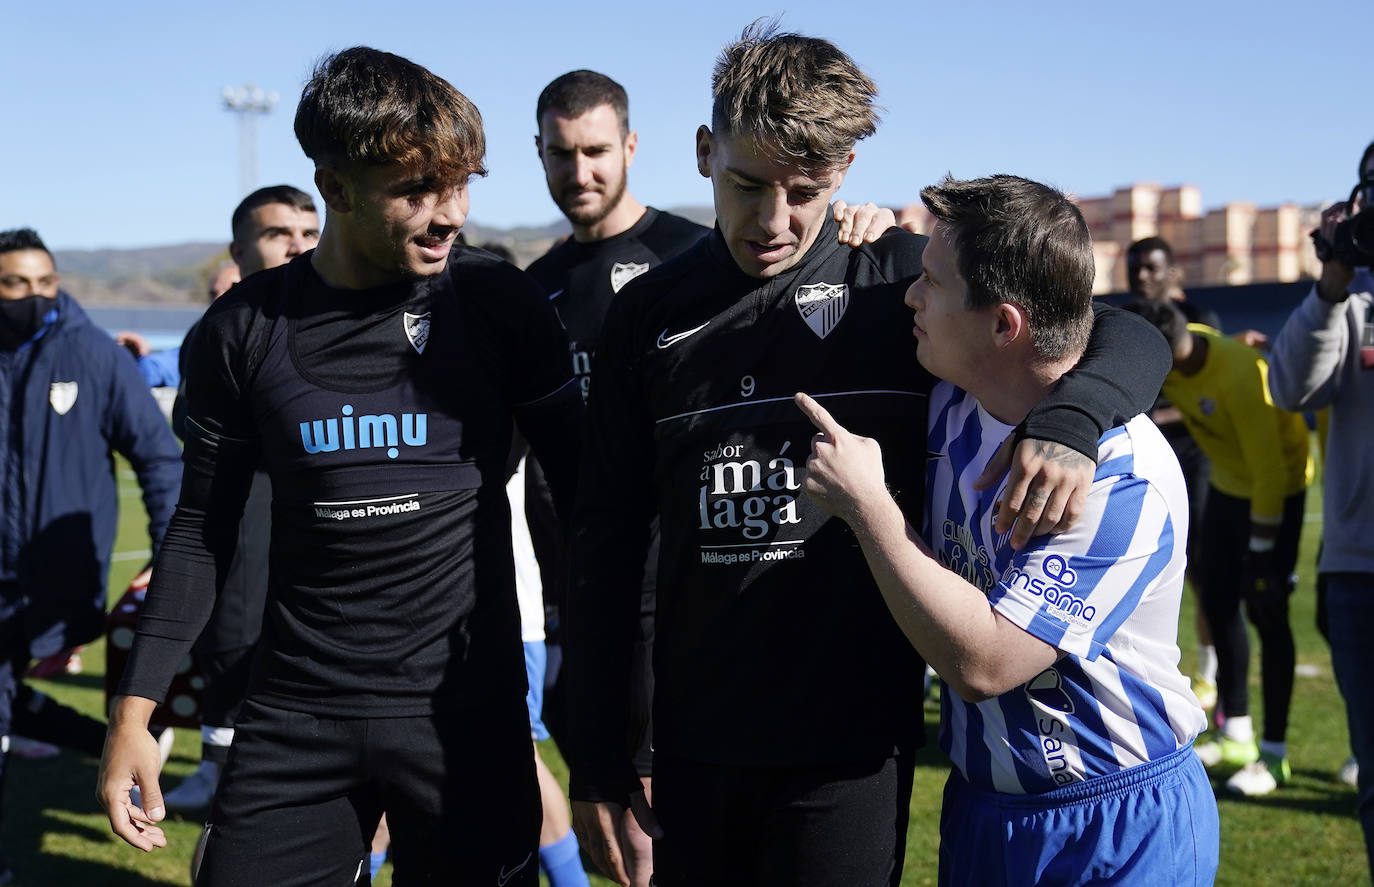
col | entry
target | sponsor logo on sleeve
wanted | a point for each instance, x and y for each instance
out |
(1052, 582)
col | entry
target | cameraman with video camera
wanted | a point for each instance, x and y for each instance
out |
(1324, 357)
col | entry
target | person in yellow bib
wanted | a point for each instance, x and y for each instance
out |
(1248, 540)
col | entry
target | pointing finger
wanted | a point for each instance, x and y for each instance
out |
(819, 415)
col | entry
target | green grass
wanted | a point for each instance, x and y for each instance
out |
(1305, 834)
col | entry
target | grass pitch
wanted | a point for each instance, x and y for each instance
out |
(1304, 834)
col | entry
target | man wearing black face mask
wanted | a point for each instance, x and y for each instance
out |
(68, 397)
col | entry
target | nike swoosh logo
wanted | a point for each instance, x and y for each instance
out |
(503, 876)
(664, 340)
(555, 294)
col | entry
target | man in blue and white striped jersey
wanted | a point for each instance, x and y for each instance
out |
(1069, 724)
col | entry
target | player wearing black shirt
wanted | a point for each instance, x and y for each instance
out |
(581, 277)
(787, 703)
(586, 148)
(377, 380)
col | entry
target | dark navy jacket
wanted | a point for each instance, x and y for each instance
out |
(68, 398)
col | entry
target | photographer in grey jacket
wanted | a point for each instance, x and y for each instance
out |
(1324, 357)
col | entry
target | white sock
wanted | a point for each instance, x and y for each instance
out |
(1240, 728)
(1207, 664)
(220, 736)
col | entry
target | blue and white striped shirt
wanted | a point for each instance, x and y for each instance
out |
(1106, 594)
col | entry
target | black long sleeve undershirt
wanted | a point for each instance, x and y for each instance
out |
(1117, 378)
(195, 555)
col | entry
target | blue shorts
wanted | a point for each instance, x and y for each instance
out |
(1151, 824)
(536, 656)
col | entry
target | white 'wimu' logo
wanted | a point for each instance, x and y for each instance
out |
(664, 340)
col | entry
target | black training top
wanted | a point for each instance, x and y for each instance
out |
(384, 418)
(773, 643)
(582, 278)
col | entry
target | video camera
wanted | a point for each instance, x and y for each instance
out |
(1353, 241)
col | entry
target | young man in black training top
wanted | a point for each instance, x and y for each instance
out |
(377, 379)
(586, 147)
(785, 712)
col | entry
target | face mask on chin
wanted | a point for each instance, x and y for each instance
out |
(21, 319)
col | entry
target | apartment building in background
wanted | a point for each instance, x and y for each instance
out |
(1234, 244)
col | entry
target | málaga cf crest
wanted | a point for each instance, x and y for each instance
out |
(417, 330)
(624, 272)
(62, 396)
(822, 305)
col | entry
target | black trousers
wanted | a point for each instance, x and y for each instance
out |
(301, 797)
(830, 825)
(1223, 544)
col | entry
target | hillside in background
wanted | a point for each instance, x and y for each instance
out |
(177, 274)
(157, 274)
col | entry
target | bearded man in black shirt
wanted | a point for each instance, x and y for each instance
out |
(377, 380)
(586, 148)
(787, 704)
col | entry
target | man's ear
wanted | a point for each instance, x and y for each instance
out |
(840, 172)
(704, 150)
(236, 252)
(539, 146)
(1009, 324)
(631, 145)
(332, 189)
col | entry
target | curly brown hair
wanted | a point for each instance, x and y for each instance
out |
(366, 106)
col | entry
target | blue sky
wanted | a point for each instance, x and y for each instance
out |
(114, 134)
